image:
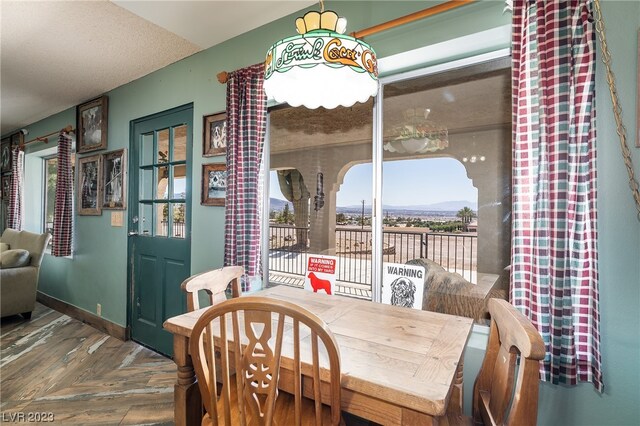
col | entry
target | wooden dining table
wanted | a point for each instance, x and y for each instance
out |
(399, 366)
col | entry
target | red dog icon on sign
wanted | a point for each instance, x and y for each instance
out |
(319, 284)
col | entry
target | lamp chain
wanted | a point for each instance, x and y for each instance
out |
(617, 109)
(321, 6)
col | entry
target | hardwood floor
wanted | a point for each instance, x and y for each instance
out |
(55, 364)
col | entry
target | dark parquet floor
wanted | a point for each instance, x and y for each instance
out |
(71, 373)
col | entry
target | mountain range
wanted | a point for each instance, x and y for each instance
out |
(277, 204)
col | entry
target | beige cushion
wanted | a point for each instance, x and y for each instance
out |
(14, 258)
(4, 247)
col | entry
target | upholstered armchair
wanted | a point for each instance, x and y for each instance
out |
(20, 261)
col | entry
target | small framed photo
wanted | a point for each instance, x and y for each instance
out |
(89, 170)
(5, 155)
(214, 138)
(114, 180)
(6, 187)
(214, 184)
(92, 125)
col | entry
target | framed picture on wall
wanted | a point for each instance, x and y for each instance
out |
(114, 180)
(89, 170)
(214, 184)
(91, 124)
(5, 155)
(214, 138)
(6, 187)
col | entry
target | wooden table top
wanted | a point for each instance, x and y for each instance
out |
(405, 357)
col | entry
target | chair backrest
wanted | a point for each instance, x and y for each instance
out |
(35, 244)
(500, 397)
(214, 283)
(257, 364)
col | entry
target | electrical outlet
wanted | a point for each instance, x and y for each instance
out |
(99, 310)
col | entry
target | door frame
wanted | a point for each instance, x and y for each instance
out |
(132, 172)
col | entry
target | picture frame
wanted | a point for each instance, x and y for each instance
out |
(114, 180)
(5, 155)
(214, 134)
(6, 188)
(89, 171)
(91, 125)
(214, 184)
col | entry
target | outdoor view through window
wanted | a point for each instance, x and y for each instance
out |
(446, 197)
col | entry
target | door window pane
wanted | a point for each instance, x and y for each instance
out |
(162, 219)
(163, 146)
(145, 219)
(179, 182)
(146, 150)
(179, 143)
(162, 187)
(146, 184)
(178, 216)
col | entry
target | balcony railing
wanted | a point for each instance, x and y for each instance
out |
(456, 252)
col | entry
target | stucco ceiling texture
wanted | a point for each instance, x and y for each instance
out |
(207, 23)
(59, 54)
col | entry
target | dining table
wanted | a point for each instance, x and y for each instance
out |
(399, 366)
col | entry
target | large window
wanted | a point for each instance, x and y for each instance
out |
(49, 185)
(443, 181)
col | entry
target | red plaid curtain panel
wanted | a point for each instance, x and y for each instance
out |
(246, 121)
(554, 274)
(63, 212)
(15, 210)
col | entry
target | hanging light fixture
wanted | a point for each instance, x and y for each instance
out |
(417, 135)
(321, 66)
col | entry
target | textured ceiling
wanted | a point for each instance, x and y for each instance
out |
(207, 23)
(58, 54)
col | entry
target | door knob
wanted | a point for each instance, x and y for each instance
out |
(132, 233)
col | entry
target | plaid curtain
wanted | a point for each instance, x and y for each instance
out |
(63, 212)
(14, 213)
(246, 122)
(554, 274)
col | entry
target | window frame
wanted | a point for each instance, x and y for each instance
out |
(378, 150)
(448, 55)
(45, 203)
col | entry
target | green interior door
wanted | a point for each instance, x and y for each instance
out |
(159, 223)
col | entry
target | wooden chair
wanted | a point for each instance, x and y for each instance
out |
(214, 283)
(253, 397)
(504, 394)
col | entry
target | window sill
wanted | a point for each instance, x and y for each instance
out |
(70, 257)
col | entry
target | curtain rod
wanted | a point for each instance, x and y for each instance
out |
(223, 76)
(45, 138)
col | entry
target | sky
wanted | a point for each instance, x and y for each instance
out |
(405, 183)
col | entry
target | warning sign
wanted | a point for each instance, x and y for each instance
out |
(321, 273)
(403, 285)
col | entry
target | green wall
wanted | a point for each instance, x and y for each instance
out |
(619, 247)
(97, 272)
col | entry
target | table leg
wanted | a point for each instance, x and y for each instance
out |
(456, 401)
(186, 395)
